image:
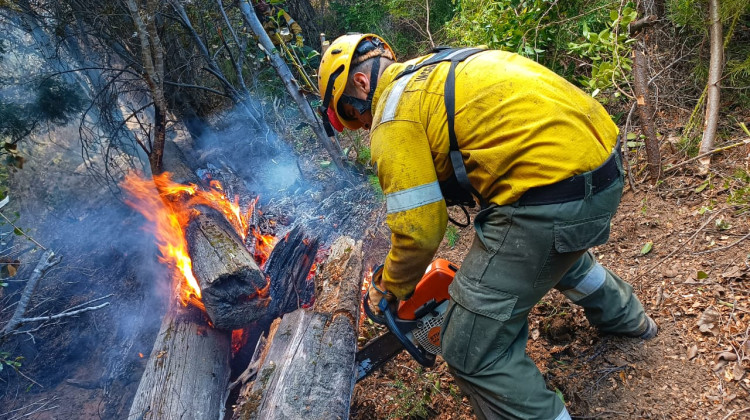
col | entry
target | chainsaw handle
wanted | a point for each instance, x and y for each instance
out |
(378, 319)
(423, 358)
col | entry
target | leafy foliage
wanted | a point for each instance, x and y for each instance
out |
(511, 25)
(451, 235)
(6, 359)
(608, 51)
(402, 22)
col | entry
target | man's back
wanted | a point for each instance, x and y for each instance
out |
(518, 124)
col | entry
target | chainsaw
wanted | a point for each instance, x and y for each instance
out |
(413, 324)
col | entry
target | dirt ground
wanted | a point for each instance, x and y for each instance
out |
(692, 279)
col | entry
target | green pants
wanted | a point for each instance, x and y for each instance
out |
(519, 253)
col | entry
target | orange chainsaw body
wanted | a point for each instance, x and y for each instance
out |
(433, 286)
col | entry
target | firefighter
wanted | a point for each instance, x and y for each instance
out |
(279, 31)
(540, 155)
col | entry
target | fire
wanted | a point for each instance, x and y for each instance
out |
(365, 285)
(170, 206)
(239, 338)
(264, 244)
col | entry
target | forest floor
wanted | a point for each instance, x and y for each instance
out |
(693, 282)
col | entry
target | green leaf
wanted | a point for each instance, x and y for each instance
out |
(635, 144)
(702, 275)
(17, 232)
(613, 15)
(631, 136)
(702, 186)
(647, 247)
(560, 395)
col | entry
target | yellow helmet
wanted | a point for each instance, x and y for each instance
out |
(334, 73)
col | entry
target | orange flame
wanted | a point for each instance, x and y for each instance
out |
(170, 206)
(264, 244)
(239, 338)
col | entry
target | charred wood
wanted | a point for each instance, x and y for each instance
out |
(307, 348)
(288, 268)
(232, 285)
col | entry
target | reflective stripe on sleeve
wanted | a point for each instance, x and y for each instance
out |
(590, 284)
(389, 112)
(414, 197)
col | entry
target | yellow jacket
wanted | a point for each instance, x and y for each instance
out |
(519, 125)
(278, 30)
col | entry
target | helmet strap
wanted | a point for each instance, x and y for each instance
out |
(364, 105)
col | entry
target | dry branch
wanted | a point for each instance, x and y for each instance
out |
(290, 83)
(47, 261)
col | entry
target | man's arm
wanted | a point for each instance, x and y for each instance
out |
(417, 214)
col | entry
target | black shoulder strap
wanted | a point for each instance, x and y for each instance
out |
(442, 54)
(455, 56)
(455, 153)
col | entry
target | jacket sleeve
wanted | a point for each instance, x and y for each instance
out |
(417, 214)
(293, 25)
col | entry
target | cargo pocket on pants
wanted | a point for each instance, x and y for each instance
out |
(475, 332)
(578, 235)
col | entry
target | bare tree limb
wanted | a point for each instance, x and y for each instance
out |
(63, 314)
(290, 83)
(702, 155)
(47, 260)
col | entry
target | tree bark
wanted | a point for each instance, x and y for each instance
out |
(152, 54)
(714, 91)
(290, 83)
(308, 348)
(640, 79)
(186, 372)
(232, 286)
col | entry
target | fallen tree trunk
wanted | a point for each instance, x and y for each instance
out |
(233, 288)
(187, 369)
(307, 368)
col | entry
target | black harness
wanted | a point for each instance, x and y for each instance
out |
(457, 190)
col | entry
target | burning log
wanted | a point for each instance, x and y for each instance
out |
(233, 288)
(307, 369)
(189, 366)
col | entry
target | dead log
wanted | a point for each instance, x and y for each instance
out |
(307, 369)
(232, 285)
(186, 371)
(189, 366)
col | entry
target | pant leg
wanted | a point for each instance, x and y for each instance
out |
(518, 255)
(608, 301)
(510, 267)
